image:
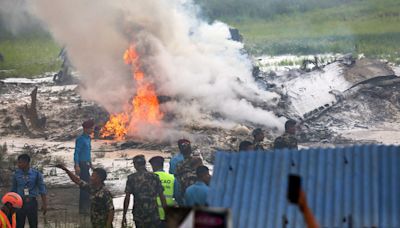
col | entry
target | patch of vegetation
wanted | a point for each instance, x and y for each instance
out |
(311, 27)
(28, 56)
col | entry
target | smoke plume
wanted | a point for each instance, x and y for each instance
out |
(206, 74)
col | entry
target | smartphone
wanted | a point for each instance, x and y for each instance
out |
(294, 186)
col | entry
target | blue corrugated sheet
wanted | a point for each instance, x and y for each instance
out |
(356, 186)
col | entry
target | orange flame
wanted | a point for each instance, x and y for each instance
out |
(144, 108)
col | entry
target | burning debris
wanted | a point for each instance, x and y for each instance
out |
(348, 99)
(144, 108)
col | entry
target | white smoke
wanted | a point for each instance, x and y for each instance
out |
(194, 62)
(15, 16)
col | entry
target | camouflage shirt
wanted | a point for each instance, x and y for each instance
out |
(286, 141)
(258, 146)
(145, 187)
(101, 204)
(186, 172)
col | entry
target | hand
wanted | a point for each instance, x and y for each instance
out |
(123, 221)
(77, 170)
(44, 209)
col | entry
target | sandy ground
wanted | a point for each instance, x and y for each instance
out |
(62, 194)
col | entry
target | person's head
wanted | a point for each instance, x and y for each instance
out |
(203, 174)
(290, 126)
(157, 163)
(185, 147)
(258, 135)
(11, 201)
(139, 162)
(98, 176)
(88, 126)
(23, 161)
(246, 146)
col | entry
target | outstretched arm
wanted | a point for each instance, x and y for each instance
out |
(72, 176)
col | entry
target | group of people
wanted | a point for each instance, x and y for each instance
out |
(286, 140)
(186, 184)
(20, 203)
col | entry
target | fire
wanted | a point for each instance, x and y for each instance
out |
(143, 109)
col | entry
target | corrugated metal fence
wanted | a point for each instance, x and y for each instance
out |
(356, 186)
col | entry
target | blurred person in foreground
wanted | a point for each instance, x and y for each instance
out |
(11, 202)
(308, 215)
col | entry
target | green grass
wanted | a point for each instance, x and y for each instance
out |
(369, 27)
(28, 56)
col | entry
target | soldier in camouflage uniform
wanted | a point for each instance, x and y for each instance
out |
(101, 203)
(145, 187)
(186, 170)
(288, 139)
(258, 135)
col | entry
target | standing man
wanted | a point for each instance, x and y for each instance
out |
(167, 181)
(246, 146)
(258, 135)
(101, 203)
(196, 194)
(288, 139)
(28, 183)
(186, 169)
(177, 157)
(145, 187)
(11, 201)
(172, 168)
(83, 162)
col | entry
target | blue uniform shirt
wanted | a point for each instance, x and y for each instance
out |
(82, 149)
(174, 162)
(196, 194)
(32, 180)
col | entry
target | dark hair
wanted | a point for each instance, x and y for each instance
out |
(244, 144)
(201, 170)
(139, 160)
(101, 173)
(257, 131)
(289, 124)
(157, 161)
(24, 157)
(183, 143)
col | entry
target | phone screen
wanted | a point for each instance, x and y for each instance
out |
(294, 187)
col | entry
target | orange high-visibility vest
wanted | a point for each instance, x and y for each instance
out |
(5, 223)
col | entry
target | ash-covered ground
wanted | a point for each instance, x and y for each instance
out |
(346, 101)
